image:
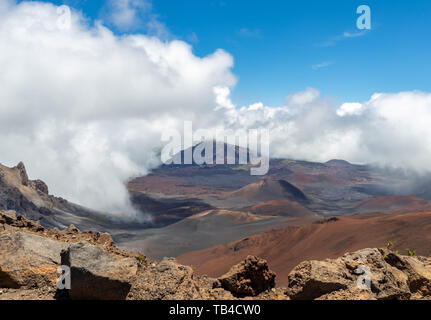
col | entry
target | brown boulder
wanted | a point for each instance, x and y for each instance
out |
(166, 280)
(417, 271)
(364, 274)
(312, 279)
(248, 278)
(8, 217)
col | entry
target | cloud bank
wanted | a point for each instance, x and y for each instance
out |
(85, 108)
(388, 130)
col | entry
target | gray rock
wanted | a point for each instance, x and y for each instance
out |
(98, 275)
(28, 260)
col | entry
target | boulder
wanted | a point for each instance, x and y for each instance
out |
(167, 280)
(364, 274)
(312, 279)
(417, 271)
(248, 278)
(8, 217)
(71, 230)
(97, 274)
(28, 260)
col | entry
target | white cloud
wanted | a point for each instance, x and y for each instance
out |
(127, 13)
(353, 108)
(304, 97)
(389, 129)
(131, 15)
(84, 109)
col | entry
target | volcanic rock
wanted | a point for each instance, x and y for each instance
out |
(389, 275)
(98, 275)
(248, 278)
(166, 280)
(28, 260)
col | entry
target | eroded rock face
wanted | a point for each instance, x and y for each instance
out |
(166, 280)
(390, 276)
(97, 274)
(28, 260)
(312, 279)
(416, 269)
(248, 278)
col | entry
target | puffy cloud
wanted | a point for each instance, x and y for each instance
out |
(126, 13)
(304, 97)
(85, 108)
(352, 108)
(388, 130)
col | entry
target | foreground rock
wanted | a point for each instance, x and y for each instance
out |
(168, 280)
(28, 260)
(96, 274)
(368, 274)
(248, 278)
(31, 254)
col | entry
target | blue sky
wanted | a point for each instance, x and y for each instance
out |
(282, 47)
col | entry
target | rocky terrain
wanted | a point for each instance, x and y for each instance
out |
(284, 248)
(31, 254)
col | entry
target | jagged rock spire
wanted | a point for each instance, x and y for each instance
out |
(22, 173)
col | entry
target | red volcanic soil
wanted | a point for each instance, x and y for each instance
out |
(286, 248)
(393, 204)
(282, 208)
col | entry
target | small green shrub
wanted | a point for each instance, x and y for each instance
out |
(141, 258)
(410, 252)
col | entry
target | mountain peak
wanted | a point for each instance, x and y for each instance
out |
(338, 163)
(23, 173)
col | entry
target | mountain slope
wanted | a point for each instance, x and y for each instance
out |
(201, 231)
(32, 199)
(285, 248)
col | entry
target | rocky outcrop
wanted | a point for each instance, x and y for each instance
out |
(30, 256)
(97, 274)
(28, 260)
(248, 278)
(371, 274)
(166, 280)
